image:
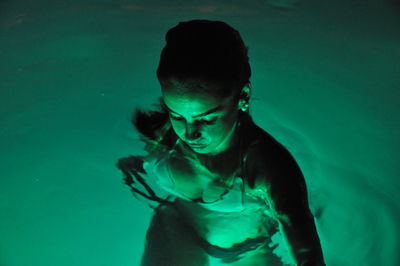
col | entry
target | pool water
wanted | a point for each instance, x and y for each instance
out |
(325, 78)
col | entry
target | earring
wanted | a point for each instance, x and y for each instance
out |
(243, 105)
(244, 98)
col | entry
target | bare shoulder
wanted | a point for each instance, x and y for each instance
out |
(272, 170)
(270, 166)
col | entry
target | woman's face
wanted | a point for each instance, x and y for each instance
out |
(205, 122)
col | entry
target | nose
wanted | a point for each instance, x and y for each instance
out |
(192, 132)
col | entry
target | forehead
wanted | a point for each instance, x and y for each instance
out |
(191, 103)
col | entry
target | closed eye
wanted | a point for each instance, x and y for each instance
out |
(203, 121)
(177, 118)
(209, 121)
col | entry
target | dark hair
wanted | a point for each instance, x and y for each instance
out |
(207, 51)
(209, 54)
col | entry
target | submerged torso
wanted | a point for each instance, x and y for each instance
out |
(228, 221)
(217, 202)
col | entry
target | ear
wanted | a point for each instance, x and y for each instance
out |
(246, 92)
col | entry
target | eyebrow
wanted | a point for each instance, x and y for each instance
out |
(213, 110)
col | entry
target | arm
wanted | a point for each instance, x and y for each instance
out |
(300, 233)
(279, 175)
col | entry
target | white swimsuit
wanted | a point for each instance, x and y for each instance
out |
(234, 199)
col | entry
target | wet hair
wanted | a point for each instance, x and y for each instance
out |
(206, 55)
(203, 55)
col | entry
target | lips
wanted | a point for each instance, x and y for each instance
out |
(196, 146)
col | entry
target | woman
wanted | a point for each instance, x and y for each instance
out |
(230, 188)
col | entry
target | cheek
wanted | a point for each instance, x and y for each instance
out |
(178, 127)
(223, 129)
(219, 131)
(228, 122)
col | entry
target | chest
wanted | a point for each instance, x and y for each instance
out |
(204, 181)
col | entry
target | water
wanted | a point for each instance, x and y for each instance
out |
(325, 80)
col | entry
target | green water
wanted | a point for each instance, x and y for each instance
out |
(325, 81)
